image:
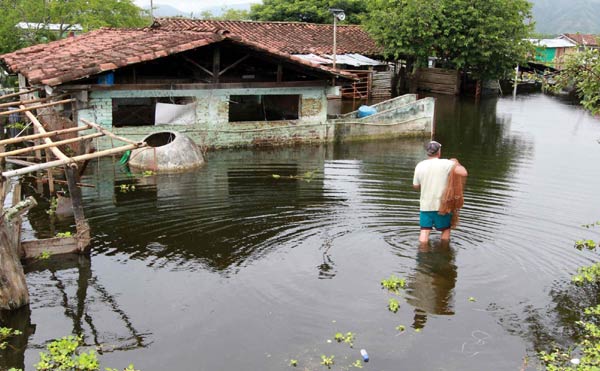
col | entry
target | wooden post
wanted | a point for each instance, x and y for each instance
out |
(13, 290)
(216, 64)
(279, 72)
(83, 228)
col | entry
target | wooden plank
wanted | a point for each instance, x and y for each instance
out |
(45, 135)
(235, 64)
(50, 145)
(197, 65)
(199, 86)
(55, 246)
(30, 108)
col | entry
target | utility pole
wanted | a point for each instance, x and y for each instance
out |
(337, 14)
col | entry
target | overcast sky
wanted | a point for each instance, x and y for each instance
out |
(193, 5)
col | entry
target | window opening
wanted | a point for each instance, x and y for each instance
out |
(264, 107)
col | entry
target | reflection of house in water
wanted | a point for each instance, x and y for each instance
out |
(220, 216)
(431, 287)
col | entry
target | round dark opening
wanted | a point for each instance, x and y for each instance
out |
(160, 139)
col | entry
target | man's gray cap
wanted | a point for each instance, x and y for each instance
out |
(433, 147)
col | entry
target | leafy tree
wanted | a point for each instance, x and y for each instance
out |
(90, 14)
(229, 14)
(313, 11)
(485, 37)
(582, 72)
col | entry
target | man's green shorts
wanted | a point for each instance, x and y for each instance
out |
(431, 219)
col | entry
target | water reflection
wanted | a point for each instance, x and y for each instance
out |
(67, 283)
(431, 286)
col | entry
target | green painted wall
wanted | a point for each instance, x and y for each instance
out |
(545, 55)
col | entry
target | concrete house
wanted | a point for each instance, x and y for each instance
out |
(221, 85)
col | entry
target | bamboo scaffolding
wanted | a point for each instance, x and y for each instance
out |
(45, 135)
(37, 100)
(39, 127)
(50, 145)
(72, 160)
(108, 132)
(30, 108)
(6, 96)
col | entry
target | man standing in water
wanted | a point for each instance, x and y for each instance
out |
(431, 178)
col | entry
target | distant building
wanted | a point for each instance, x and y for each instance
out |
(60, 30)
(583, 41)
(550, 52)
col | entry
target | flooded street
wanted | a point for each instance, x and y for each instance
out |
(232, 268)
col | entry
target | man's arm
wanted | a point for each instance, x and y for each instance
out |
(417, 186)
(460, 170)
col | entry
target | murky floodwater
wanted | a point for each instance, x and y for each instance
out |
(230, 268)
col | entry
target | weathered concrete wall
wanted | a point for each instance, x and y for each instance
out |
(212, 128)
(407, 119)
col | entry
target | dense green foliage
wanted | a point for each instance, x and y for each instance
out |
(313, 11)
(584, 355)
(484, 37)
(90, 14)
(229, 14)
(582, 71)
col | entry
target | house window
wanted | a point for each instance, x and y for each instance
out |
(153, 111)
(264, 107)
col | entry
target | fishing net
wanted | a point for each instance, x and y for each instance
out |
(452, 198)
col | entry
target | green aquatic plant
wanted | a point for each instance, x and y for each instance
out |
(63, 354)
(5, 333)
(587, 244)
(472, 299)
(348, 338)
(124, 188)
(148, 173)
(45, 255)
(128, 368)
(276, 176)
(293, 362)
(357, 364)
(327, 361)
(53, 206)
(64, 234)
(393, 284)
(393, 305)
(400, 328)
(590, 274)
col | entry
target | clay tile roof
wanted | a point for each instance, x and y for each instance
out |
(583, 39)
(287, 37)
(98, 51)
(108, 49)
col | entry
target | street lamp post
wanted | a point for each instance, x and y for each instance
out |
(337, 14)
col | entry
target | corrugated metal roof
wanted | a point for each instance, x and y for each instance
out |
(552, 43)
(351, 59)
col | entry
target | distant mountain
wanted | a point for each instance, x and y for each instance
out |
(164, 10)
(566, 16)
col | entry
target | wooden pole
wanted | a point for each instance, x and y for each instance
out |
(30, 108)
(83, 228)
(11, 95)
(45, 135)
(108, 132)
(72, 160)
(20, 102)
(50, 145)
